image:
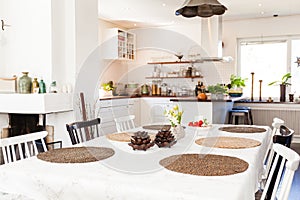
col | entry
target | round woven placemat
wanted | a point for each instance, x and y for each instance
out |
(204, 165)
(124, 137)
(157, 127)
(242, 129)
(228, 142)
(76, 154)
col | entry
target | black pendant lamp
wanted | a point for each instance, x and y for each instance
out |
(201, 8)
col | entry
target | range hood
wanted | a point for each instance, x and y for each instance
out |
(211, 27)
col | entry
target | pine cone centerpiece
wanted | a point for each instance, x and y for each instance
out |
(164, 138)
(141, 141)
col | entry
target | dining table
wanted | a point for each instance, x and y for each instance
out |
(138, 174)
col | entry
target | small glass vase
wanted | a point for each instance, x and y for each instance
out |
(178, 132)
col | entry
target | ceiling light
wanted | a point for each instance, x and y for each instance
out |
(134, 24)
(164, 4)
(262, 12)
(201, 8)
(259, 5)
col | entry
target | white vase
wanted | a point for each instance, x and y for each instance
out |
(178, 132)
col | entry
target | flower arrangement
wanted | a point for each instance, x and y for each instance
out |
(174, 115)
(107, 86)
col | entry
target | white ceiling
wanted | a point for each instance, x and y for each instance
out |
(142, 13)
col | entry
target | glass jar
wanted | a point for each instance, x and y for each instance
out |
(25, 83)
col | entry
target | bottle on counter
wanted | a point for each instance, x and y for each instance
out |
(199, 88)
(42, 86)
(35, 86)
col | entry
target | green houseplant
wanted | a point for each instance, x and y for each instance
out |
(283, 83)
(236, 86)
(217, 91)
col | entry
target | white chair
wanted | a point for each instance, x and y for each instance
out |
(270, 153)
(22, 147)
(124, 123)
(19, 148)
(289, 164)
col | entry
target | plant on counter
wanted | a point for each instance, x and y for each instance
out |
(216, 89)
(237, 81)
(283, 84)
(174, 115)
(235, 87)
(108, 86)
(284, 80)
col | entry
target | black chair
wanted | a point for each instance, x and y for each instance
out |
(84, 130)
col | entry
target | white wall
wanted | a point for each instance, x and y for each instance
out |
(27, 45)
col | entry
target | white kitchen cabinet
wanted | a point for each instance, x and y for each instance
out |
(119, 44)
(110, 109)
(152, 110)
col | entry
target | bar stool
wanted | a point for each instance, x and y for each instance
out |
(240, 111)
(245, 108)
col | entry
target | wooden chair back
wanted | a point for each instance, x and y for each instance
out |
(84, 130)
(124, 123)
(288, 164)
(22, 147)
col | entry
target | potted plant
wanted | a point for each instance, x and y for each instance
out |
(236, 86)
(106, 89)
(283, 83)
(217, 91)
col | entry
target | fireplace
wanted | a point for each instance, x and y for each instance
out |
(20, 124)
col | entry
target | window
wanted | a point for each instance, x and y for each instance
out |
(269, 59)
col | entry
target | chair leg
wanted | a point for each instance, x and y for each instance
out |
(236, 120)
(230, 118)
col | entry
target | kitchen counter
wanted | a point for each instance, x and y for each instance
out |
(194, 99)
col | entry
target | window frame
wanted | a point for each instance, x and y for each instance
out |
(268, 39)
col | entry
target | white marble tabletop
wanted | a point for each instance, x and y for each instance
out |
(137, 174)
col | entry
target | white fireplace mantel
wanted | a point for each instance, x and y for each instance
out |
(36, 103)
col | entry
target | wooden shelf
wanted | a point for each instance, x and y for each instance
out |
(169, 62)
(208, 59)
(192, 77)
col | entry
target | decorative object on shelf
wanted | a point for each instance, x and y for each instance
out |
(35, 86)
(260, 84)
(53, 88)
(179, 55)
(298, 61)
(217, 91)
(291, 97)
(42, 86)
(145, 89)
(141, 141)
(236, 86)
(175, 115)
(164, 138)
(283, 83)
(252, 86)
(25, 83)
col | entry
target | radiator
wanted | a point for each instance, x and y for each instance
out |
(263, 114)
